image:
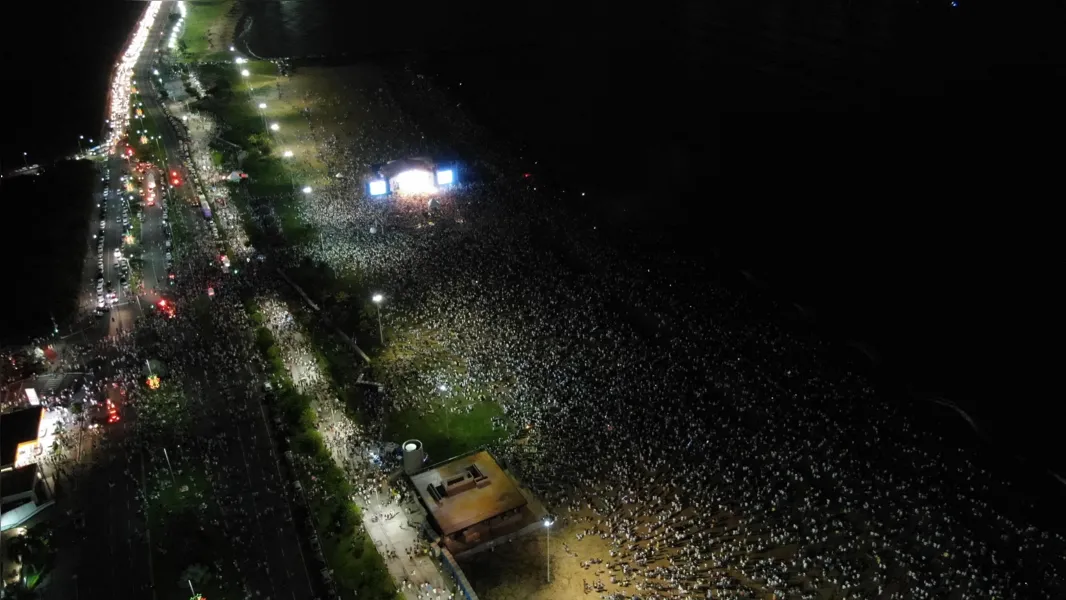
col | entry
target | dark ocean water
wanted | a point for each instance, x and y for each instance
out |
(55, 76)
(870, 161)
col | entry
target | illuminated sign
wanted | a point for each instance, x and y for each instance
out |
(31, 395)
(27, 453)
(445, 177)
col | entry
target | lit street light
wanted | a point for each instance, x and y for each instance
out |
(307, 189)
(274, 127)
(378, 298)
(25, 160)
(262, 105)
(287, 154)
(245, 72)
(548, 522)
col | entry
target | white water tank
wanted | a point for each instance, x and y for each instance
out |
(413, 455)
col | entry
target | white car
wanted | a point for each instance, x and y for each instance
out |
(118, 254)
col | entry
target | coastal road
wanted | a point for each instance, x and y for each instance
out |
(251, 489)
(112, 546)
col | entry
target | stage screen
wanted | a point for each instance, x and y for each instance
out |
(378, 188)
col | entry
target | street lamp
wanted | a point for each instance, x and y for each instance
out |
(307, 189)
(548, 522)
(274, 127)
(262, 105)
(81, 147)
(287, 154)
(245, 72)
(25, 160)
(378, 298)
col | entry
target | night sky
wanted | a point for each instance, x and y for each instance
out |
(902, 185)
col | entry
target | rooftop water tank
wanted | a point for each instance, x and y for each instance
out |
(413, 455)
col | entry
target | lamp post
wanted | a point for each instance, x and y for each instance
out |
(25, 160)
(548, 522)
(378, 298)
(81, 147)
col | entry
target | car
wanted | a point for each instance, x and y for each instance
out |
(118, 253)
(103, 223)
(169, 257)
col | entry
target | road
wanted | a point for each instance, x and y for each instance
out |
(111, 548)
(250, 489)
(115, 558)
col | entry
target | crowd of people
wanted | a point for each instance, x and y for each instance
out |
(714, 449)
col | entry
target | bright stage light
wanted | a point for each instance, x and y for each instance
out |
(445, 177)
(415, 182)
(378, 188)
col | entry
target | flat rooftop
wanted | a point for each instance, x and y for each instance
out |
(18, 481)
(470, 495)
(18, 427)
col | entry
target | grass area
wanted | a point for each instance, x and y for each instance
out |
(450, 429)
(269, 176)
(208, 27)
(357, 567)
(451, 419)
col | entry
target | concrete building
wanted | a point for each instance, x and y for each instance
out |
(471, 501)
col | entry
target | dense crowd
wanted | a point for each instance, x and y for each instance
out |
(713, 449)
(715, 452)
